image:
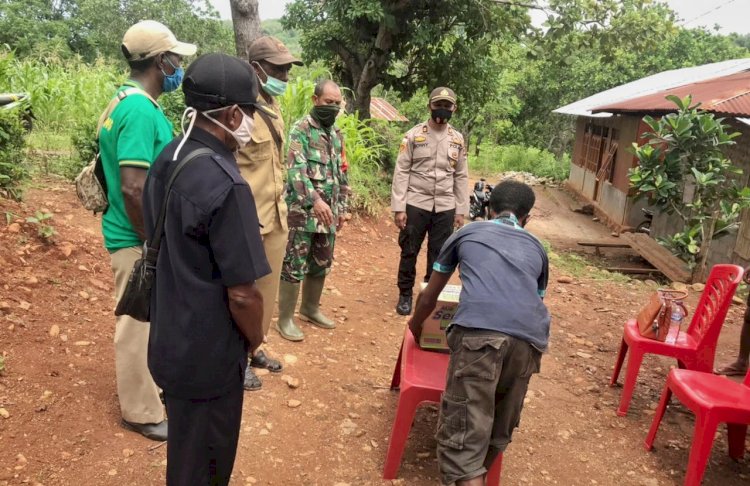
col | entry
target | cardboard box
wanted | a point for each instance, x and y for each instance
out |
(433, 332)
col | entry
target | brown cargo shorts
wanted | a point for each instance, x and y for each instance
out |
(488, 376)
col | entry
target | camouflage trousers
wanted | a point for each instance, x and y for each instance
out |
(307, 254)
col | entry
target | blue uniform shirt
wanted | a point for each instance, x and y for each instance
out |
(504, 272)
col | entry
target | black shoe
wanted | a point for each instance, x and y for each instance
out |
(156, 432)
(252, 382)
(260, 360)
(404, 305)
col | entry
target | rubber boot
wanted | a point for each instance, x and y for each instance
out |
(288, 293)
(309, 309)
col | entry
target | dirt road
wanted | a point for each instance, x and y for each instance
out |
(58, 386)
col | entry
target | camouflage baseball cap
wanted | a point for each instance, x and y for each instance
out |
(443, 93)
(271, 49)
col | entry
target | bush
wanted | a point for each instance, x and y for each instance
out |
(13, 167)
(364, 151)
(494, 159)
(83, 138)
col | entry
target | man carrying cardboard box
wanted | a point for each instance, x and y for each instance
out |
(496, 337)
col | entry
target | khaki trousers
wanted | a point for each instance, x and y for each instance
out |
(274, 244)
(136, 390)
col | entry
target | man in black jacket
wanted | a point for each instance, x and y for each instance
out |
(206, 309)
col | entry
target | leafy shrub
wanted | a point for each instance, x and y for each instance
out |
(494, 159)
(13, 166)
(83, 138)
(364, 151)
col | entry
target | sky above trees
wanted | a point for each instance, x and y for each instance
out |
(730, 15)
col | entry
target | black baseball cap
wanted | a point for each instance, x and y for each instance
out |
(218, 80)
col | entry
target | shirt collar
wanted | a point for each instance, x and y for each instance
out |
(510, 220)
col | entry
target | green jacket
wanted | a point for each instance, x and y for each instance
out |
(314, 171)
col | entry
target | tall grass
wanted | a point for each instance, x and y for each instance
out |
(494, 159)
(63, 92)
(364, 151)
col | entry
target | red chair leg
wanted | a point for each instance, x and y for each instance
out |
(631, 376)
(665, 396)
(618, 363)
(405, 411)
(396, 380)
(736, 436)
(700, 450)
(493, 475)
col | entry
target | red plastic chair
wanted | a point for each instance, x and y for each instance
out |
(713, 399)
(421, 376)
(694, 349)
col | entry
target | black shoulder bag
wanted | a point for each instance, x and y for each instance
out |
(136, 300)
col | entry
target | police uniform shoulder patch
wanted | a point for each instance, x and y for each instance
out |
(402, 147)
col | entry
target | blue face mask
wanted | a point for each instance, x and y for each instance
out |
(172, 81)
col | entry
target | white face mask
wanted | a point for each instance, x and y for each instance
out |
(243, 134)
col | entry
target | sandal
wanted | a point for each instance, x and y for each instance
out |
(733, 369)
(260, 360)
(252, 382)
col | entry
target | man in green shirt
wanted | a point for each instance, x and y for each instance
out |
(133, 134)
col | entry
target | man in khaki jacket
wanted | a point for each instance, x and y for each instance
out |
(262, 166)
(430, 190)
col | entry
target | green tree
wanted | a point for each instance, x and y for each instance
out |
(586, 47)
(683, 170)
(94, 28)
(404, 44)
(27, 25)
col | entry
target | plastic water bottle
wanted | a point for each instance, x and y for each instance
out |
(675, 321)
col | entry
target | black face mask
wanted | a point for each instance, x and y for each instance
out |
(325, 114)
(441, 115)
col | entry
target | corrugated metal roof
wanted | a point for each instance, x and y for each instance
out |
(726, 95)
(653, 84)
(382, 110)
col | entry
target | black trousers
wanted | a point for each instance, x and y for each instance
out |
(437, 226)
(202, 439)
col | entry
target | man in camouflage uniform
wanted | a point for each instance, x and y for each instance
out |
(317, 191)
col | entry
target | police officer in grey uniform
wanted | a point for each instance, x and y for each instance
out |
(429, 194)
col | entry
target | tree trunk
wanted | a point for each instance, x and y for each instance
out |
(246, 25)
(476, 147)
(361, 103)
(700, 272)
